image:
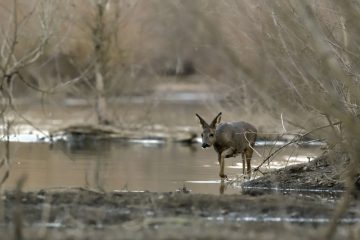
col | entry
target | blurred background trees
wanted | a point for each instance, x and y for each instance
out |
(258, 56)
(106, 49)
(26, 29)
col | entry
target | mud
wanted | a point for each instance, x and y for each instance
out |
(86, 214)
(319, 175)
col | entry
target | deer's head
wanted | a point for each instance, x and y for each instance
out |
(208, 133)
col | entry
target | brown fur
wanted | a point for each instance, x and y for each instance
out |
(229, 139)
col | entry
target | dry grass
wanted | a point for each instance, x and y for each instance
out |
(298, 59)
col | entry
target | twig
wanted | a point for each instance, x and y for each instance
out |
(6, 160)
(295, 139)
(277, 150)
(250, 145)
(282, 123)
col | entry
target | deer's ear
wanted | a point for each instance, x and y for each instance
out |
(216, 120)
(202, 121)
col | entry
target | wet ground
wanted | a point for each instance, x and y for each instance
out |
(84, 214)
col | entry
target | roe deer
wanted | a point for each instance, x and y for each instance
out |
(229, 139)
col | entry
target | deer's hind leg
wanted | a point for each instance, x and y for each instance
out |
(243, 161)
(248, 155)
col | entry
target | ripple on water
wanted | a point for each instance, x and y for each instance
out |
(279, 219)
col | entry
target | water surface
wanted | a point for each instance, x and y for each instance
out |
(135, 165)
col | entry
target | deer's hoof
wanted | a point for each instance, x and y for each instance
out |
(223, 176)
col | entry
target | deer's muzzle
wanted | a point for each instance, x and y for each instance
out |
(205, 145)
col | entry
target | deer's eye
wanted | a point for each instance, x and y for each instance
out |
(202, 135)
(211, 135)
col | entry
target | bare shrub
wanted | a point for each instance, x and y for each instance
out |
(19, 20)
(299, 59)
(101, 58)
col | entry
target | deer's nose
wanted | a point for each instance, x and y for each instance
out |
(205, 145)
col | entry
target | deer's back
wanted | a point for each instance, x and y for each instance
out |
(235, 134)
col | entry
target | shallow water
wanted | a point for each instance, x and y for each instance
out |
(135, 165)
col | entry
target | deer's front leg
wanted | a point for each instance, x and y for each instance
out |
(221, 159)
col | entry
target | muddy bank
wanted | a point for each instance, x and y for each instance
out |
(83, 214)
(83, 132)
(320, 174)
(188, 134)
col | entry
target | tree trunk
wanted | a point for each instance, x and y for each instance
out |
(99, 39)
(101, 106)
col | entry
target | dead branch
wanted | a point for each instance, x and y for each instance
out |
(294, 140)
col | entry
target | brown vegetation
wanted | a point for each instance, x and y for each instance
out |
(303, 59)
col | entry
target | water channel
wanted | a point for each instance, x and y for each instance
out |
(139, 165)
